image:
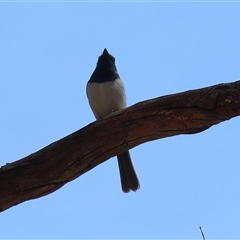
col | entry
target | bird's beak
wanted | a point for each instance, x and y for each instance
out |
(105, 52)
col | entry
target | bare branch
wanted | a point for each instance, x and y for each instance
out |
(62, 161)
(202, 233)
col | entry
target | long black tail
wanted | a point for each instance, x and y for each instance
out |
(129, 179)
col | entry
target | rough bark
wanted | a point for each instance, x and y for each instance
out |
(62, 161)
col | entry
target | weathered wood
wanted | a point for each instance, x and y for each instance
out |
(62, 161)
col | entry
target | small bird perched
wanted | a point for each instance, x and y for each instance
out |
(106, 94)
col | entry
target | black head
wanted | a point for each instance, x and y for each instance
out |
(105, 70)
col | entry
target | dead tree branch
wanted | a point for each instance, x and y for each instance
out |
(62, 161)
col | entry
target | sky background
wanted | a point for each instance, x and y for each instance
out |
(48, 52)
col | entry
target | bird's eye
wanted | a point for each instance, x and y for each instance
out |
(112, 59)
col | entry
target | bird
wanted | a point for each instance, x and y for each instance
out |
(106, 94)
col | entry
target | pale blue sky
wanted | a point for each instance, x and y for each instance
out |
(47, 54)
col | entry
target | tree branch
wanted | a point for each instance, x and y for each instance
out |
(62, 161)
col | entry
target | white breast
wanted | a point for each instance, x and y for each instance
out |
(105, 98)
